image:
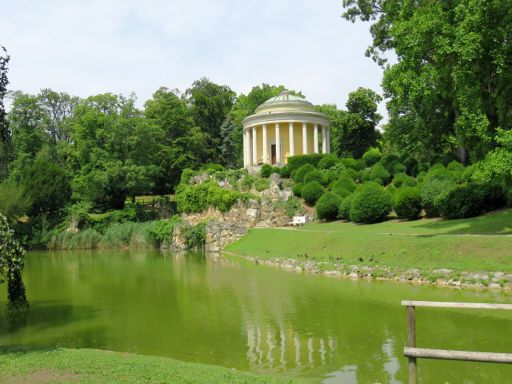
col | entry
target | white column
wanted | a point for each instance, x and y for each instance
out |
(304, 139)
(315, 138)
(292, 143)
(324, 140)
(278, 145)
(254, 147)
(328, 135)
(249, 146)
(265, 144)
(244, 136)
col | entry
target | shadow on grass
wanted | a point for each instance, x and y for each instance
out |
(492, 223)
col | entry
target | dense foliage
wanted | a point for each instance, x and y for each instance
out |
(407, 203)
(327, 206)
(312, 191)
(370, 204)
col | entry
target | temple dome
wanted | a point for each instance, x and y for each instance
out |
(285, 102)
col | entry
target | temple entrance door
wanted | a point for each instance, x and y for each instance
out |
(273, 153)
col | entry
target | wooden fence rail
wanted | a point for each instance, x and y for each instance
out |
(413, 353)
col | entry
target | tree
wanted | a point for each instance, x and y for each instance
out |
(229, 147)
(115, 152)
(209, 105)
(4, 127)
(182, 144)
(451, 86)
(47, 185)
(11, 266)
(357, 126)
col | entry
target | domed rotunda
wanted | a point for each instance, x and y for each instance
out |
(283, 126)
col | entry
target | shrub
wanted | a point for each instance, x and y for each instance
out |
(389, 158)
(344, 207)
(327, 206)
(299, 175)
(196, 236)
(276, 169)
(370, 204)
(262, 184)
(396, 167)
(407, 203)
(295, 162)
(351, 173)
(297, 189)
(162, 229)
(187, 175)
(213, 167)
(266, 170)
(371, 157)
(391, 189)
(312, 192)
(285, 172)
(328, 161)
(315, 175)
(349, 162)
(379, 174)
(431, 190)
(467, 174)
(344, 182)
(403, 180)
(455, 166)
(293, 206)
(460, 202)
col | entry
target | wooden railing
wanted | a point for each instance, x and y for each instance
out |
(414, 353)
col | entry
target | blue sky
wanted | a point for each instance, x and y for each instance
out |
(90, 47)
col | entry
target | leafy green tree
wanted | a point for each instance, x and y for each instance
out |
(14, 202)
(182, 143)
(4, 127)
(451, 86)
(11, 266)
(356, 131)
(229, 147)
(209, 105)
(115, 153)
(47, 185)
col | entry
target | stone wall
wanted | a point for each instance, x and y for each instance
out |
(224, 228)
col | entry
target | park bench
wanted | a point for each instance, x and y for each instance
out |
(298, 220)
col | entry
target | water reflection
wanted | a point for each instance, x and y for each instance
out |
(247, 317)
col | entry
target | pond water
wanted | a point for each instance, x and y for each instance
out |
(251, 318)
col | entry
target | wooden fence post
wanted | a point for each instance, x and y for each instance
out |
(411, 342)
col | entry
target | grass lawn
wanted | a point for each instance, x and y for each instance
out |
(481, 243)
(95, 366)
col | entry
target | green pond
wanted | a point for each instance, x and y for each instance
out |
(251, 318)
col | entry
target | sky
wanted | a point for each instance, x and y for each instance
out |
(124, 46)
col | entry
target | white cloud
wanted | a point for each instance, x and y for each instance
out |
(123, 46)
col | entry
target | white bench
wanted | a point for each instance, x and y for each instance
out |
(298, 220)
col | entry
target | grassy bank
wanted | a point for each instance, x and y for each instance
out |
(95, 366)
(477, 244)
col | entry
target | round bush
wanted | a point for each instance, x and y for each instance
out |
(327, 206)
(370, 204)
(266, 170)
(388, 159)
(299, 174)
(371, 157)
(328, 161)
(315, 175)
(297, 189)
(403, 180)
(349, 172)
(407, 203)
(344, 207)
(391, 189)
(469, 200)
(396, 167)
(285, 172)
(312, 191)
(344, 182)
(455, 166)
(350, 162)
(430, 191)
(379, 174)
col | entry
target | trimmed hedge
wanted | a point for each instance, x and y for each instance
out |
(312, 192)
(315, 175)
(327, 206)
(285, 172)
(370, 204)
(295, 162)
(379, 174)
(299, 174)
(266, 170)
(407, 203)
(344, 182)
(328, 161)
(403, 180)
(297, 189)
(469, 200)
(371, 157)
(344, 207)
